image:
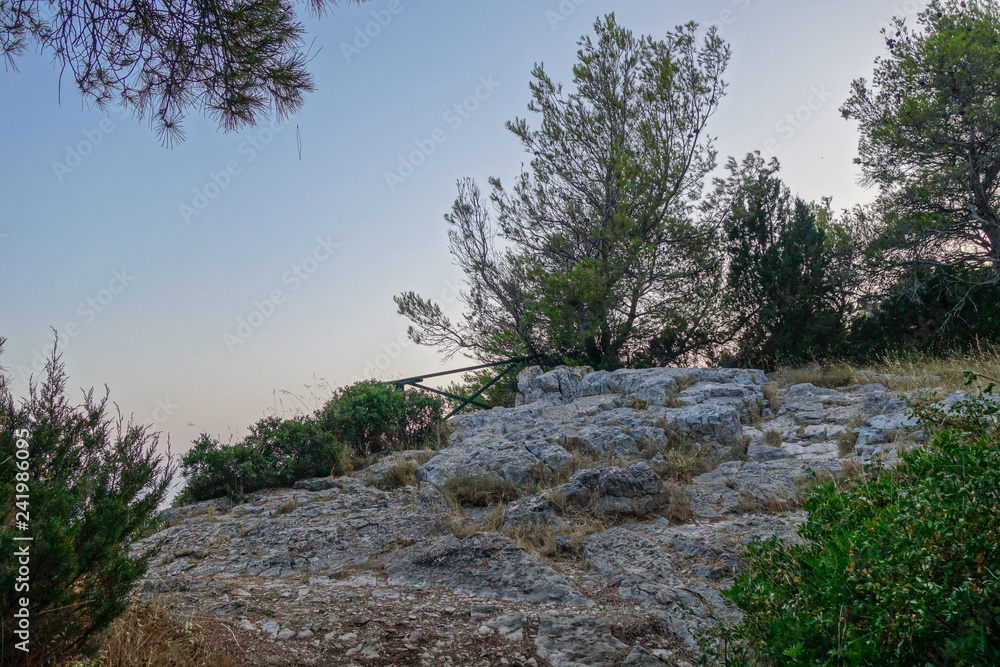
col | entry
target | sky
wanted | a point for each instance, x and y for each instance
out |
(232, 276)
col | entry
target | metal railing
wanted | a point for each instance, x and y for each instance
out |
(463, 401)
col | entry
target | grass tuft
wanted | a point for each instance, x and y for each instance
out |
(845, 443)
(403, 473)
(479, 491)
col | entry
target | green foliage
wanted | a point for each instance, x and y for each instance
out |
(929, 310)
(276, 453)
(234, 61)
(369, 417)
(92, 486)
(779, 286)
(930, 125)
(375, 418)
(595, 254)
(895, 570)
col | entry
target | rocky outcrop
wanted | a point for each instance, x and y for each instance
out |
(336, 571)
(484, 565)
(287, 532)
(630, 414)
(633, 491)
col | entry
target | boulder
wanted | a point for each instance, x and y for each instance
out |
(632, 491)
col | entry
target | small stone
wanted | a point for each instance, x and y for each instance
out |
(269, 627)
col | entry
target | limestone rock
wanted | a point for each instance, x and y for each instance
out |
(736, 487)
(285, 532)
(483, 564)
(632, 491)
(566, 640)
(640, 657)
(538, 509)
(217, 506)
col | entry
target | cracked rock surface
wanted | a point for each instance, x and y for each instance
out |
(338, 572)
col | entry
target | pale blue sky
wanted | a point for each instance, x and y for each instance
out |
(105, 246)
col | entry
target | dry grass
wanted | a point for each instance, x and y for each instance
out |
(544, 476)
(542, 540)
(148, 635)
(683, 382)
(852, 469)
(912, 372)
(461, 525)
(772, 396)
(738, 450)
(479, 491)
(846, 442)
(345, 460)
(401, 474)
(772, 438)
(439, 436)
(832, 375)
(676, 506)
(288, 506)
(685, 463)
(946, 373)
(751, 504)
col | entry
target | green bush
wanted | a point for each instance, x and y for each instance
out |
(375, 418)
(933, 311)
(276, 453)
(897, 570)
(88, 486)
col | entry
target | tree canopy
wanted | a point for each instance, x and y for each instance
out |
(930, 139)
(236, 60)
(596, 253)
(781, 287)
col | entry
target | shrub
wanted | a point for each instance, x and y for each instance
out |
(88, 487)
(277, 452)
(898, 569)
(929, 311)
(375, 418)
